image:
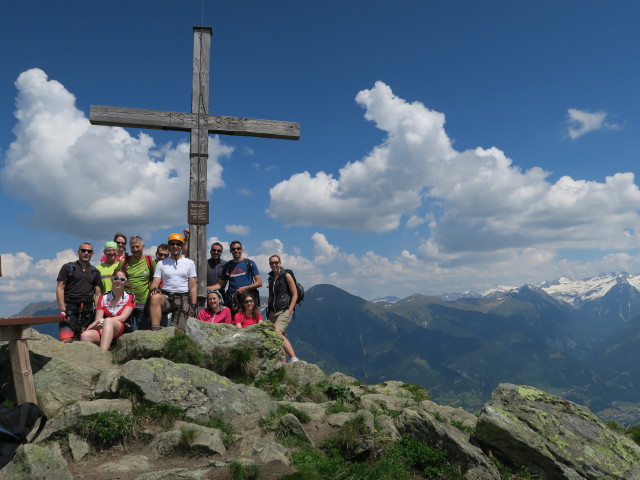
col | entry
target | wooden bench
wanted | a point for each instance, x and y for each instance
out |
(17, 330)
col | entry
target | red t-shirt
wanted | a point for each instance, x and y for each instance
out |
(245, 321)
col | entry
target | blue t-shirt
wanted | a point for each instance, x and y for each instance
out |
(236, 275)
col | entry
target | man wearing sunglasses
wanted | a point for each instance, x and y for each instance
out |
(78, 286)
(162, 252)
(214, 265)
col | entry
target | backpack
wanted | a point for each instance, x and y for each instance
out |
(127, 259)
(299, 287)
(15, 425)
(72, 266)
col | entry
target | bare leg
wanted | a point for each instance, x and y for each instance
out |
(90, 336)
(155, 309)
(109, 329)
(288, 349)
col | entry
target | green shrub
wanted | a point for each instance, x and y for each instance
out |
(634, 432)
(419, 392)
(243, 357)
(163, 414)
(182, 349)
(402, 460)
(130, 391)
(280, 411)
(105, 429)
(505, 472)
(339, 407)
(228, 431)
(339, 393)
(312, 392)
(613, 425)
(351, 434)
(244, 472)
(277, 385)
(461, 426)
(188, 436)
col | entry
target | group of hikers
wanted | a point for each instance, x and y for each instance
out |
(133, 291)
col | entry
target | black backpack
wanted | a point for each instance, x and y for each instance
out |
(15, 425)
(299, 287)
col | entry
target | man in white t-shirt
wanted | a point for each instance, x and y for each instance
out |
(179, 288)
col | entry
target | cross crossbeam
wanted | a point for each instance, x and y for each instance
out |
(185, 122)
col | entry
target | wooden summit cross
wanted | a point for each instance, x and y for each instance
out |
(199, 123)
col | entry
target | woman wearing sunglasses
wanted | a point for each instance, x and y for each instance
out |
(215, 312)
(112, 315)
(283, 296)
(249, 313)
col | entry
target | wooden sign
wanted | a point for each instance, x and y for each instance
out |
(198, 212)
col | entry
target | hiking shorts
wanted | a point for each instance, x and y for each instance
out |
(178, 305)
(280, 319)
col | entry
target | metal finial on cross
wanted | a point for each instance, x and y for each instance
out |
(199, 123)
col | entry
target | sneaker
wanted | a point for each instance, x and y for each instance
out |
(294, 359)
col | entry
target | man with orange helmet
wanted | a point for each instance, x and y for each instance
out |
(179, 288)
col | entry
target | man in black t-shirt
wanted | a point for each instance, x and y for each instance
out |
(78, 287)
(214, 265)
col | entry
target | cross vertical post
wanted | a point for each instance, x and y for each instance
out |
(199, 151)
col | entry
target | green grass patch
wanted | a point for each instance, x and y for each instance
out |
(182, 349)
(241, 364)
(130, 391)
(461, 426)
(406, 459)
(339, 393)
(244, 472)
(228, 431)
(188, 435)
(350, 435)
(280, 411)
(418, 392)
(634, 432)
(615, 426)
(162, 414)
(503, 470)
(339, 407)
(278, 385)
(105, 429)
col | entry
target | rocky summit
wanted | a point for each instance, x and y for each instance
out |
(217, 403)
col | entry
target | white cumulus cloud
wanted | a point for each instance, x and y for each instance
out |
(93, 180)
(475, 200)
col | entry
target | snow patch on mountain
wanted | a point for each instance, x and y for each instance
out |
(573, 292)
(577, 292)
(498, 291)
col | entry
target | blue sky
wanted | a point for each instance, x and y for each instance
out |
(445, 146)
